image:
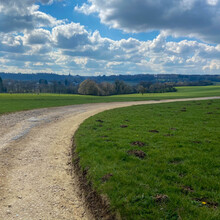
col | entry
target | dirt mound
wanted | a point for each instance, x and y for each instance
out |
(99, 120)
(138, 153)
(187, 189)
(138, 143)
(196, 142)
(154, 131)
(161, 198)
(168, 135)
(123, 126)
(106, 177)
(205, 201)
(174, 129)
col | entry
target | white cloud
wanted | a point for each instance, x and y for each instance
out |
(20, 15)
(70, 36)
(31, 40)
(194, 18)
(212, 2)
(12, 44)
(212, 66)
(70, 47)
(86, 9)
(38, 36)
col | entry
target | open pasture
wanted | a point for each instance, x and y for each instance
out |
(157, 161)
(19, 102)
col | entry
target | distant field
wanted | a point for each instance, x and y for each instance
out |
(156, 161)
(18, 102)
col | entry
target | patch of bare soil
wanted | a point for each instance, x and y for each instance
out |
(99, 120)
(196, 142)
(154, 131)
(174, 129)
(106, 177)
(138, 153)
(176, 161)
(123, 126)
(161, 198)
(205, 201)
(138, 143)
(187, 189)
(169, 135)
(97, 204)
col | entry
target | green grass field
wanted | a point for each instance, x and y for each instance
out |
(19, 102)
(156, 161)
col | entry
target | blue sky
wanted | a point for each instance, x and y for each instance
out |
(96, 37)
(91, 22)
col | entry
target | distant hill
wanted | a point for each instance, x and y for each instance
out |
(38, 76)
(131, 79)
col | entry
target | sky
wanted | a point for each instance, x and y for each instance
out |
(110, 37)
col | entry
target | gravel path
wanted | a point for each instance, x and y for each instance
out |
(36, 180)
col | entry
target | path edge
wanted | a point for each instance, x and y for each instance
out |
(97, 204)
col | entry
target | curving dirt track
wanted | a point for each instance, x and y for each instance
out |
(36, 181)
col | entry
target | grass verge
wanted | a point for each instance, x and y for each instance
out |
(156, 161)
(19, 102)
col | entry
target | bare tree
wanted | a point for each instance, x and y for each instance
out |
(141, 89)
(107, 88)
(89, 87)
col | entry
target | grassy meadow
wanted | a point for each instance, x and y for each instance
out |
(157, 161)
(19, 102)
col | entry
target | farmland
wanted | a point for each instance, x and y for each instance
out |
(19, 102)
(157, 161)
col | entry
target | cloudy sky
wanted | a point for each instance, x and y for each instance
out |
(96, 37)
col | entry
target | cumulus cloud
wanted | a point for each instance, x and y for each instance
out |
(23, 15)
(72, 47)
(12, 44)
(38, 36)
(194, 18)
(35, 41)
(21, 4)
(212, 66)
(70, 36)
(132, 55)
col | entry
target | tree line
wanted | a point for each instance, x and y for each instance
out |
(42, 86)
(87, 87)
(90, 87)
